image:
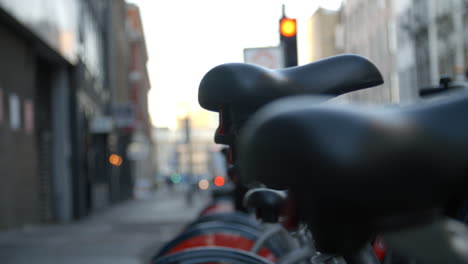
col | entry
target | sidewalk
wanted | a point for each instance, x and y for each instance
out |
(128, 233)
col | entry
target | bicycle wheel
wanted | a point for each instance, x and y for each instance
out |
(218, 234)
(211, 255)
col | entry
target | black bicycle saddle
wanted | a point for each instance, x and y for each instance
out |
(356, 171)
(249, 84)
(237, 90)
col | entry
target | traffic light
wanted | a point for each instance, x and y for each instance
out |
(288, 40)
(218, 181)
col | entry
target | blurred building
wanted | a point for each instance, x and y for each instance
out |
(39, 50)
(165, 151)
(117, 53)
(438, 29)
(67, 103)
(90, 120)
(321, 29)
(368, 29)
(141, 147)
(196, 143)
(406, 55)
(189, 150)
(412, 42)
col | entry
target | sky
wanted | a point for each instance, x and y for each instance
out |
(186, 38)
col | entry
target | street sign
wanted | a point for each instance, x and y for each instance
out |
(269, 57)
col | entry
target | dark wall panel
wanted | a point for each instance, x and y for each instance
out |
(18, 162)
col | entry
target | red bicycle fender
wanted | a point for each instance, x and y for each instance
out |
(221, 240)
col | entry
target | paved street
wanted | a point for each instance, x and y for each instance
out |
(128, 233)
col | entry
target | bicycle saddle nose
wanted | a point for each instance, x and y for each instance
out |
(268, 203)
(359, 170)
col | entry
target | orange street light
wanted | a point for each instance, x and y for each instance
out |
(115, 160)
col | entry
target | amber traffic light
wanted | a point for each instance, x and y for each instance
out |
(288, 40)
(288, 27)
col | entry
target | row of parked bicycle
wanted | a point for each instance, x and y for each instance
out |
(320, 182)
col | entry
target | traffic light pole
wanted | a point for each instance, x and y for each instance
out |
(288, 39)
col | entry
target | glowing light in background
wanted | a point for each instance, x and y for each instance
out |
(288, 27)
(115, 160)
(176, 178)
(203, 184)
(219, 181)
